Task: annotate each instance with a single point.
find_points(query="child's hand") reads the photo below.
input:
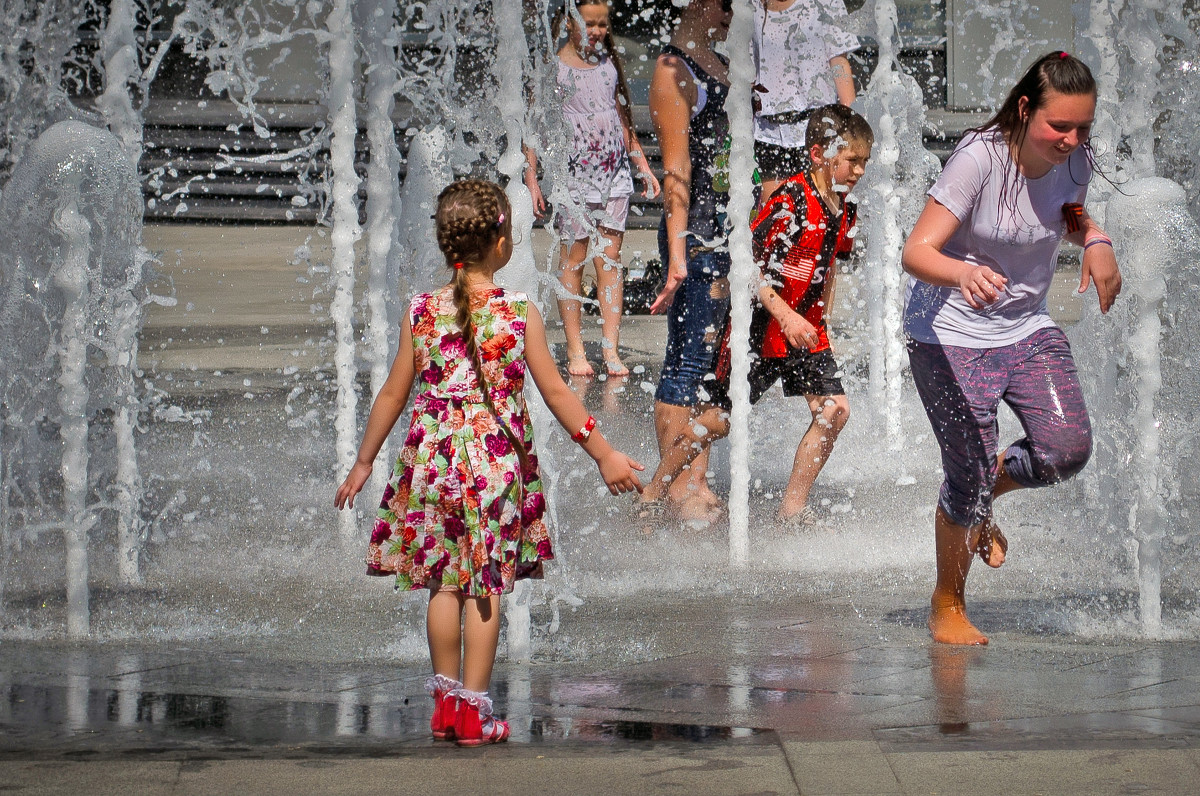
(980, 285)
(798, 332)
(617, 470)
(353, 484)
(676, 273)
(535, 193)
(1100, 267)
(652, 186)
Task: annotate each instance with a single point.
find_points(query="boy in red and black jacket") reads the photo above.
(802, 227)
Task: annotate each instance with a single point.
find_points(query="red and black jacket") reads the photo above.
(795, 240)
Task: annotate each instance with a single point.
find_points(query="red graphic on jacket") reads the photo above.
(796, 261)
(795, 239)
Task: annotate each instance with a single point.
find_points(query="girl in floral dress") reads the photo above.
(462, 513)
(597, 107)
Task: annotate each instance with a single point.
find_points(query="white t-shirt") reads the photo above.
(792, 49)
(1022, 245)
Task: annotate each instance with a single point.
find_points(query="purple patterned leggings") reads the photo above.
(962, 389)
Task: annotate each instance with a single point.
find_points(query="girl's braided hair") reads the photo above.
(472, 215)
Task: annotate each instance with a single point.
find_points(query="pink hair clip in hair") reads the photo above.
(1062, 54)
(500, 221)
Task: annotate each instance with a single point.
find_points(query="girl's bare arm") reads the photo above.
(1099, 262)
(384, 412)
(672, 96)
(923, 258)
(616, 468)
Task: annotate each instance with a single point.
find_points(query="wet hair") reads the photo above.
(838, 124)
(471, 217)
(1056, 71)
(625, 105)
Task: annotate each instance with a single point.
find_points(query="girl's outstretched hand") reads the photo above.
(617, 470)
(353, 484)
(1100, 267)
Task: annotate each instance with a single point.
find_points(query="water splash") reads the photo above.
(900, 172)
(72, 300)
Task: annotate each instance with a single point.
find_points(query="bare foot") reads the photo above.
(697, 512)
(577, 365)
(993, 544)
(615, 367)
(704, 495)
(948, 623)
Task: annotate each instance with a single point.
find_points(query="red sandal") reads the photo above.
(476, 725)
(445, 707)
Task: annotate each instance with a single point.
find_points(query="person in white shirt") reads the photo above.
(981, 257)
(800, 54)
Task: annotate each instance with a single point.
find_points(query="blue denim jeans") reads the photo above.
(694, 325)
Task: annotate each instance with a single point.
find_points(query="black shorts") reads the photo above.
(779, 162)
(802, 374)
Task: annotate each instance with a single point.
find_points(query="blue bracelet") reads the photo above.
(1094, 241)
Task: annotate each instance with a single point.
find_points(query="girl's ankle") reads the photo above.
(441, 684)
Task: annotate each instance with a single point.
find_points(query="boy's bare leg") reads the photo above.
(572, 258)
(610, 292)
(830, 413)
(948, 622)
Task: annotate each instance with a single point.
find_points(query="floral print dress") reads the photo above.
(459, 512)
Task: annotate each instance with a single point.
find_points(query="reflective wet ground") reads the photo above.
(258, 659)
(763, 696)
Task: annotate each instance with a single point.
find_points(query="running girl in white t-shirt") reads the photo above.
(982, 256)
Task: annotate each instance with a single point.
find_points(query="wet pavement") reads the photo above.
(746, 696)
(818, 679)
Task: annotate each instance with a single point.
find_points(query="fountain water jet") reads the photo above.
(743, 275)
(901, 171)
(383, 200)
(346, 231)
(1145, 409)
(70, 307)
